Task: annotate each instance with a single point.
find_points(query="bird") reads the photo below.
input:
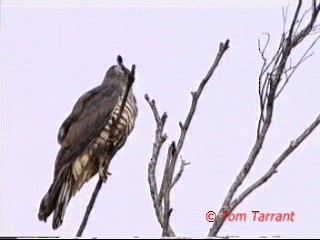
(91, 135)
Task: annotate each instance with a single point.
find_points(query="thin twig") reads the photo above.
(89, 208)
(284, 16)
(302, 59)
(179, 174)
(273, 169)
(166, 173)
(301, 19)
(294, 21)
(166, 188)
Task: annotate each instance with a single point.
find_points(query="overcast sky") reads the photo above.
(52, 54)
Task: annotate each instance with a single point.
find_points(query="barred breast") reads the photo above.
(87, 165)
(124, 125)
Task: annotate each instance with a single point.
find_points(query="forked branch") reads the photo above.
(161, 198)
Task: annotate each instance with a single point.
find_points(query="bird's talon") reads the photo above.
(103, 174)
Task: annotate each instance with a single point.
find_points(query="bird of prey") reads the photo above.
(89, 137)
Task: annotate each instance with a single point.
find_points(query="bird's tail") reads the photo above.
(57, 199)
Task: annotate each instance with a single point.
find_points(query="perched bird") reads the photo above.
(89, 137)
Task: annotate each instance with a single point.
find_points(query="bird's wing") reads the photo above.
(86, 121)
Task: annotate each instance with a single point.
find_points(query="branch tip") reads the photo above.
(181, 125)
(173, 146)
(164, 116)
(164, 136)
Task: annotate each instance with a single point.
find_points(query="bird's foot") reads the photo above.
(103, 174)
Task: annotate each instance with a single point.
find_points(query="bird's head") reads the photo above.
(117, 74)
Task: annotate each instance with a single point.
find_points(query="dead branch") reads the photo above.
(273, 169)
(108, 143)
(161, 198)
(160, 138)
(289, 72)
(179, 174)
(271, 75)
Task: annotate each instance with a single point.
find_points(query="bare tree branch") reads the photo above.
(294, 21)
(292, 69)
(163, 197)
(89, 208)
(284, 16)
(273, 169)
(159, 140)
(108, 143)
(166, 189)
(179, 174)
(299, 21)
(269, 79)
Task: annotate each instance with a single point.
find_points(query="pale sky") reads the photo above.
(52, 54)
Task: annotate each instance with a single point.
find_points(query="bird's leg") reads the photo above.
(103, 169)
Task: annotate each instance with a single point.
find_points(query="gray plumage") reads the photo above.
(83, 137)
